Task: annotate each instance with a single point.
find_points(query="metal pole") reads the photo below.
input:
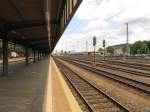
(104, 44)
(94, 44)
(41, 55)
(5, 57)
(104, 53)
(94, 56)
(38, 56)
(127, 44)
(27, 56)
(34, 53)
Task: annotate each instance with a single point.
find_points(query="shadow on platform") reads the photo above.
(24, 88)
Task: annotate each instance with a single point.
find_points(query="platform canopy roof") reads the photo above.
(37, 24)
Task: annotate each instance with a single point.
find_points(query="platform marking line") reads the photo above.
(47, 106)
(74, 106)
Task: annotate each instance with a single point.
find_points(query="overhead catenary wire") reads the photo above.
(123, 23)
(130, 22)
(89, 13)
(121, 11)
(108, 19)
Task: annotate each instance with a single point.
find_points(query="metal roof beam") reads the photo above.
(16, 9)
(39, 42)
(26, 24)
(40, 46)
(38, 38)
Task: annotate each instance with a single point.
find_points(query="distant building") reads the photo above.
(97, 53)
(14, 54)
(100, 51)
(120, 49)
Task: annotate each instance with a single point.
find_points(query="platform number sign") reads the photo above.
(94, 41)
(104, 43)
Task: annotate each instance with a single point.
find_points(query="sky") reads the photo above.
(106, 20)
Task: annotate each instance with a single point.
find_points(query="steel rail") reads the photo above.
(71, 75)
(127, 64)
(143, 87)
(114, 68)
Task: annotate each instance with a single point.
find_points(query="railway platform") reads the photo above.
(58, 96)
(39, 87)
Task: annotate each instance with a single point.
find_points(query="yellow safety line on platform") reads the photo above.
(70, 98)
(47, 106)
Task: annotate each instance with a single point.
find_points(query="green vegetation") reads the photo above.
(124, 49)
(110, 50)
(140, 47)
(100, 49)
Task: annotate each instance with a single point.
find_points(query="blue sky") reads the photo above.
(76, 25)
(106, 19)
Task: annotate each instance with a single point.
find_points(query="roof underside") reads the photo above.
(24, 22)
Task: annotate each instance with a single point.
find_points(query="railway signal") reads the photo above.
(104, 44)
(94, 41)
(127, 41)
(94, 44)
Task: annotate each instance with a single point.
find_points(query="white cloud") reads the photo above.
(106, 20)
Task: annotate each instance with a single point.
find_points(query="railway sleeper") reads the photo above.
(93, 97)
(83, 86)
(87, 90)
(109, 110)
(107, 104)
(101, 106)
(102, 100)
(90, 94)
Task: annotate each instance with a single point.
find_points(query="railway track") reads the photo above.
(140, 86)
(132, 65)
(95, 99)
(118, 68)
(126, 64)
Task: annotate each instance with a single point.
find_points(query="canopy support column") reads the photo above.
(34, 53)
(27, 56)
(38, 56)
(5, 57)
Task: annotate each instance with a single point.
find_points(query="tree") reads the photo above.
(110, 50)
(144, 48)
(148, 44)
(124, 49)
(100, 49)
(139, 47)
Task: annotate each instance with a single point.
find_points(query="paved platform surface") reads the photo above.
(13, 60)
(14, 65)
(59, 97)
(23, 90)
(39, 87)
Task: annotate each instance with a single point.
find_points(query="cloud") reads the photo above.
(106, 20)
